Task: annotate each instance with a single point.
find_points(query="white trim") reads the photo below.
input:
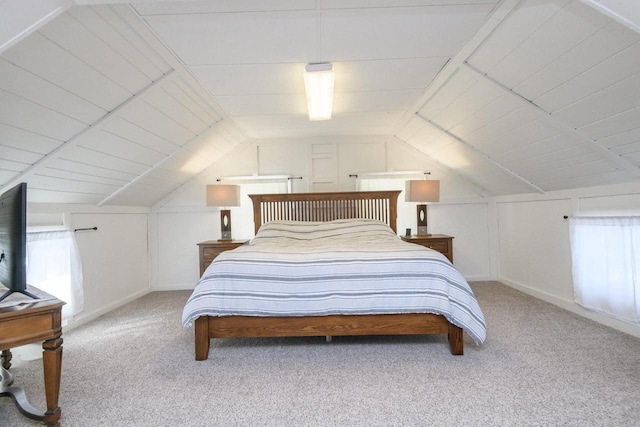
(616, 11)
(478, 278)
(176, 287)
(21, 18)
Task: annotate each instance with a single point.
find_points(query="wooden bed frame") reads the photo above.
(381, 205)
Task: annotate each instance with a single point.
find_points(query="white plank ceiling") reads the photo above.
(123, 103)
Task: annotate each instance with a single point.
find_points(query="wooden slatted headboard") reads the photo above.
(380, 205)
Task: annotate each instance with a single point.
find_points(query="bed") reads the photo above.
(330, 264)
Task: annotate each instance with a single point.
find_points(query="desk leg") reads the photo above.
(6, 359)
(52, 364)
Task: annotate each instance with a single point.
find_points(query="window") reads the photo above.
(54, 266)
(393, 181)
(605, 254)
(242, 216)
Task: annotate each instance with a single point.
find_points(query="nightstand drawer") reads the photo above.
(210, 249)
(438, 242)
(441, 246)
(209, 253)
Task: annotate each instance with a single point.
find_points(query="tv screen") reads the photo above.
(13, 240)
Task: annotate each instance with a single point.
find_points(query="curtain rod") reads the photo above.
(85, 229)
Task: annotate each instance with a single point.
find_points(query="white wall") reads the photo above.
(324, 163)
(534, 254)
(533, 246)
(115, 258)
(468, 223)
(521, 240)
(177, 252)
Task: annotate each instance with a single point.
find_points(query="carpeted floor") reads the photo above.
(540, 365)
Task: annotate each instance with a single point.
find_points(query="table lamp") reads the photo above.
(224, 196)
(422, 191)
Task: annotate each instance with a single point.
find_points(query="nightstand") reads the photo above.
(438, 242)
(210, 249)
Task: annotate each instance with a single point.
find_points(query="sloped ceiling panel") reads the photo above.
(581, 68)
(91, 112)
(551, 97)
(165, 123)
(467, 161)
(513, 134)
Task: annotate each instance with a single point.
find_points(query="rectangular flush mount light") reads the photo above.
(318, 84)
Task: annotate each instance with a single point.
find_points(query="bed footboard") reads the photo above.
(207, 327)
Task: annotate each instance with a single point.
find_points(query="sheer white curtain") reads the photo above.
(54, 266)
(605, 254)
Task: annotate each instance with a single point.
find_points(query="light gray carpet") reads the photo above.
(540, 365)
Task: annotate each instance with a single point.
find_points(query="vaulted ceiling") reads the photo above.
(122, 103)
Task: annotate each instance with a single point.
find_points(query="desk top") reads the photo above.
(30, 320)
(17, 304)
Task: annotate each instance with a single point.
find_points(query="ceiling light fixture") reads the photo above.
(318, 84)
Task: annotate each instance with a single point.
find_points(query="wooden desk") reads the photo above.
(30, 322)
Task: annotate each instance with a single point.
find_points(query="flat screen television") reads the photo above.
(13, 240)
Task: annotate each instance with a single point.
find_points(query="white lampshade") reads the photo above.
(223, 195)
(422, 191)
(318, 84)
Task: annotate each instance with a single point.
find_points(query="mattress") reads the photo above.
(350, 267)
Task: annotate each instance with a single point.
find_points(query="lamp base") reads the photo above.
(422, 220)
(422, 231)
(225, 225)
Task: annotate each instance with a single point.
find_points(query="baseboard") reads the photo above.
(571, 306)
(83, 317)
(480, 278)
(175, 287)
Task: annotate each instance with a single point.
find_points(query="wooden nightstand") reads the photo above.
(438, 242)
(210, 249)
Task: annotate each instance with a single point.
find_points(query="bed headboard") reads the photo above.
(380, 205)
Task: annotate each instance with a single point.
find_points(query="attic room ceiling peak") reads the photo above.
(451, 78)
(251, 56)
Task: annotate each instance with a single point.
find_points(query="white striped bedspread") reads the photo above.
(337, 267)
